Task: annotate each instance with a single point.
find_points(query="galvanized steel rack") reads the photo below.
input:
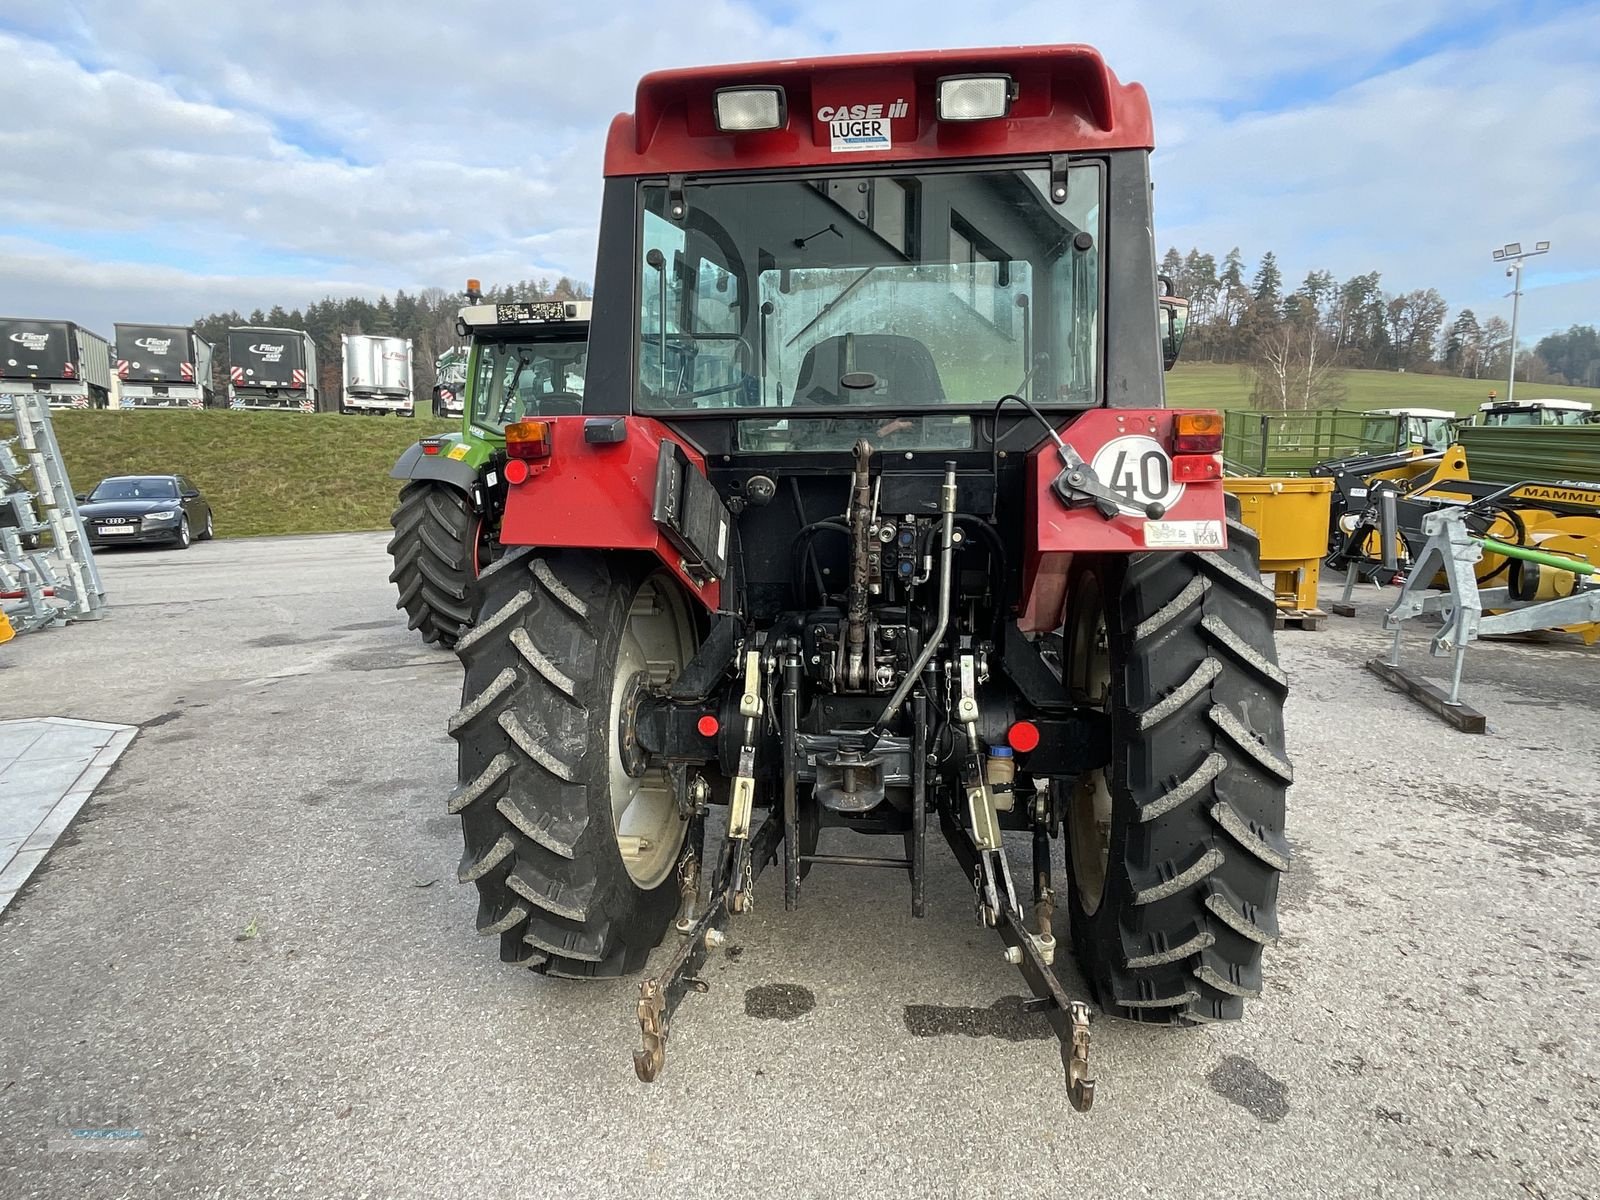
(42, 582)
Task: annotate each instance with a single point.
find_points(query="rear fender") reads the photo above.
(447, 464)
(1117, 443)
(600, 496)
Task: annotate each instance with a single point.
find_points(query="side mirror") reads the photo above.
(81, 497)
(1174, 312)
(191, 495)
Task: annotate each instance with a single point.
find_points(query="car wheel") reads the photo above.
(181, 542)
(209, 531)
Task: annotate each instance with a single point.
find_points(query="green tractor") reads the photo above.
(526, 357)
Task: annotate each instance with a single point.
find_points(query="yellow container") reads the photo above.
(1291, 518)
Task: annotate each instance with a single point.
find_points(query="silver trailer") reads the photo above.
(162, 366)
(59, 359)
(272, 369)
(377, 375)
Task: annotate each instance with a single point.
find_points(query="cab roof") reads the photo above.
(533, 313)
(1569, 405)
(1067, 99)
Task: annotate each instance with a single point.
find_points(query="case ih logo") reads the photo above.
(32, 342)
(267, 352)
(154, 345)
(861, 112)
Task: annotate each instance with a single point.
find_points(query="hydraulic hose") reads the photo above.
(1543, 557)
(855, 672)
(947, 505)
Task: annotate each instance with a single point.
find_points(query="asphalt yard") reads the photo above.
(246, 968)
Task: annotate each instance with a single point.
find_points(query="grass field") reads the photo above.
(324, 473)
(263, 472)
(1203, 385)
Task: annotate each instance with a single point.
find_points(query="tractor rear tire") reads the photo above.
(1174, 854)
(436, 553)
(545, 795)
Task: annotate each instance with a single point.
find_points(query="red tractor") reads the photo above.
(873, 520)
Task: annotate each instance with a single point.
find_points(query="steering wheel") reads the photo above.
(688, 346)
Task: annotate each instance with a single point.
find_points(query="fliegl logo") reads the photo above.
(153, 345)
(856, 127)
(267, 352)
(32, 342)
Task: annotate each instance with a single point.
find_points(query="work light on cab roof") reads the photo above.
(750, 110)
(975, 97)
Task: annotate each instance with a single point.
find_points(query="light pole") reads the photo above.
(1513, 254)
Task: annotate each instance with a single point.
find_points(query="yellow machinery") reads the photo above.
(1290, 515)
(1559, 519)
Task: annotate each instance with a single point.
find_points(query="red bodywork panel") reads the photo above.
(599, 497)
(1067, 99)
(1055, 532)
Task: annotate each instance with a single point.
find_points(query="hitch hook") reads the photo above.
(1080, 1086)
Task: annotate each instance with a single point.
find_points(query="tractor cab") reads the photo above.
(1535, 412)
(527, 360)
(1429, 428)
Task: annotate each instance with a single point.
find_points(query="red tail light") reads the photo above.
(528, 439)
(516, 470)
(1196, 468)
(1197, 433)
(1023, 737)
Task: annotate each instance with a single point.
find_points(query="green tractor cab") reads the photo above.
(1535, 412)
(1430, 428)
(523, 360)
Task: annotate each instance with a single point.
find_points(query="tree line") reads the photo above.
(1295, 344)
(428, 318)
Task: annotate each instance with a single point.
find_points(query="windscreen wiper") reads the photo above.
(831, 305)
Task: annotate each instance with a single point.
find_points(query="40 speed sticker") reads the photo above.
(1137, 469)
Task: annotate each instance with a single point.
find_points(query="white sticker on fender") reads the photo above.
(1183, 535)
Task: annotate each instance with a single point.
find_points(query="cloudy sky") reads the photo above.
(159, 160)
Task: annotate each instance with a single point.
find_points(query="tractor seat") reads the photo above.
(904, 367)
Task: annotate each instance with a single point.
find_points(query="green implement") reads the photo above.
(1526, 554)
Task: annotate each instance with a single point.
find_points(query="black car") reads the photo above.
(133, 509)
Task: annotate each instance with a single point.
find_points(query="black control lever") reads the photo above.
(1078, 486)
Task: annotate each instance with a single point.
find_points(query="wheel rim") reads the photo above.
(1089, 683)
(657, 640)
(208, 524)
(183, 532)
